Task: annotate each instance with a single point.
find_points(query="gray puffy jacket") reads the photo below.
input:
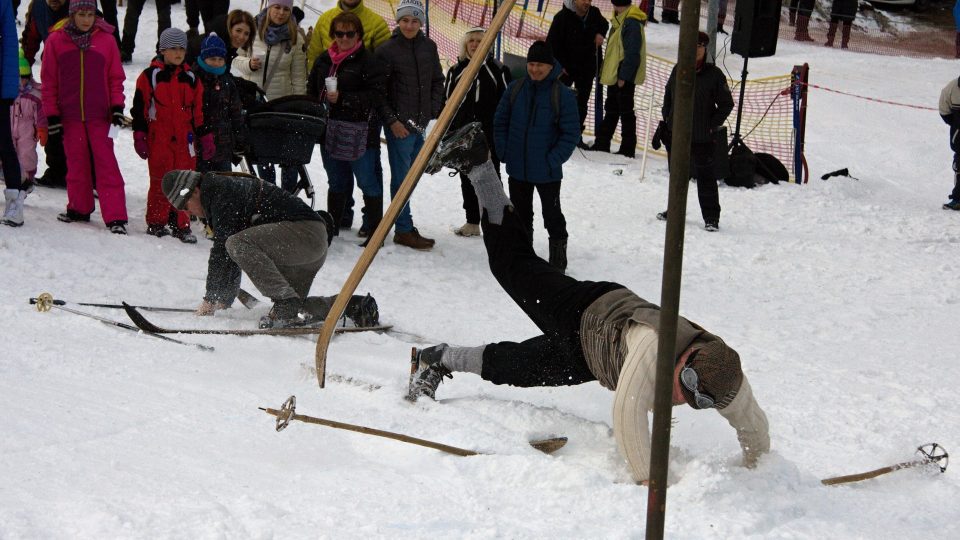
(414, 80)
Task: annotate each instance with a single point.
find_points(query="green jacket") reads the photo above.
(626, 34)
(375, 31)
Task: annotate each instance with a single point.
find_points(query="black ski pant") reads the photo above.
(955, 194)
(132, 19)
(554, 302)
(584, 85)
(56, 172)
(207, 10)
(521, 195)
(8, 152)
(619, 108)
(703, 169)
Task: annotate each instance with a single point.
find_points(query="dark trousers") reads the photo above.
(583, 84)
(132, 19)
(521, 195)
(619, 108)
(554, 302)
(109, 10)
(954, 195)
(471, 206)
(56, 160)
(8, 153)
(207, 10)
(703, 169)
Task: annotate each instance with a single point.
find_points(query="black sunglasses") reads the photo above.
(349, 34)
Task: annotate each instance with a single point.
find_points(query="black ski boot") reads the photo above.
(363, 311)
(285, 313)
(461, 150)
(426, 372)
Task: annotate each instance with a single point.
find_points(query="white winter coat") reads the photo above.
(284, 72)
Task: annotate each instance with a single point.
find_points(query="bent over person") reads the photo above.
(591, 331)
(273, 236)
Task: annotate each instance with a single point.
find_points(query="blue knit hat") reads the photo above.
(172, 38)
(212, 47)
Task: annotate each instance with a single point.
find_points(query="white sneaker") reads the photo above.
(468, 229)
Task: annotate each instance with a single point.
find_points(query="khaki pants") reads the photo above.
(281, 259)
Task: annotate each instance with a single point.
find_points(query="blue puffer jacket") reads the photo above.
(528, 136)
(9, 63)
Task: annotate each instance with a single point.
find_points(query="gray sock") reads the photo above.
(489, 191)
(468, 359)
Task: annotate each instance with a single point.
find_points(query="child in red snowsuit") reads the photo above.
(82, 95)
(168, 129)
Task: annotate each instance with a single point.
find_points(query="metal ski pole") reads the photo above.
(287, 413)
(930, 454)
(58, 302)
(45, 302)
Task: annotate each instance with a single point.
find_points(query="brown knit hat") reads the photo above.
(718, 368)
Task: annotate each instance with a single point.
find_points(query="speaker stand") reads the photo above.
(737, 141)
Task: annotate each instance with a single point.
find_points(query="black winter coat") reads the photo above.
(712, 102)
(414, 80)
(235, 203)
(572, 40)
(222, 112)
(481, 100)
(844, 10)
(361, 85)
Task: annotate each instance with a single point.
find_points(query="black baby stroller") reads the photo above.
(284, 131)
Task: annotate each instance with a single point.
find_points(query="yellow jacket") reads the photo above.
(375, 31)
(613, 57)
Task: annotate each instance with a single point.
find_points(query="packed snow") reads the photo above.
(840, 296)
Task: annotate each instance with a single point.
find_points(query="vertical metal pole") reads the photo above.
(743, 90)
(672, 267)
(713, 13)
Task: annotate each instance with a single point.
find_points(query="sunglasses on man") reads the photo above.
(690, 381)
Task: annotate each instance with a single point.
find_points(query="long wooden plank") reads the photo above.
(406, 189)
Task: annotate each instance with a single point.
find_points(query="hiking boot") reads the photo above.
(285, 313)
(117, 227)
(363, 311)
(558, 253)
(461, 150)
(50, 180)
(711, 226)
(125, 57)
(158, 230)
(426, 372)
(185, 235)
(600, 146)
(627, 151)
(468, 229)
(662, 216)
(413, 240)
(72, 216)
(953, 204)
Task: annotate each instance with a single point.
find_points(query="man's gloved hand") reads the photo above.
(207, 308)
(208, 146)
(42, 136)
(54, 127)
(117, 118)
(140, 144)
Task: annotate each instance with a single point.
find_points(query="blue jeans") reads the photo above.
(367, 171)
(401, 153)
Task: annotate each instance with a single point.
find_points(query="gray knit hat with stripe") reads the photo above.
(172, 38)
(178, 186)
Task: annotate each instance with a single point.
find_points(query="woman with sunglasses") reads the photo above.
(592, 331)
(359, 90)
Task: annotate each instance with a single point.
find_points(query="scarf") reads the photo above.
(276, 34)
(212, 70)
(80, 39)
(337, 56)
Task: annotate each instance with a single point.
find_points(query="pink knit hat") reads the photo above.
(82, 5)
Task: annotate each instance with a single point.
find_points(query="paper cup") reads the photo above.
(331, 83)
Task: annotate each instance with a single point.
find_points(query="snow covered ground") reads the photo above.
(840, 296)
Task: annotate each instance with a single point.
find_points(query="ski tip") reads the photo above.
(549, 445)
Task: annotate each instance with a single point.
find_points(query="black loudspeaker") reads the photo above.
(756, 28)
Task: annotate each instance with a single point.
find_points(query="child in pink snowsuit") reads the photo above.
(28, 124)
(82, 95)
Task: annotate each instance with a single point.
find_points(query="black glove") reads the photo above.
(54, 127)
(117, 118)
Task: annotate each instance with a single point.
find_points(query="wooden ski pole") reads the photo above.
(288, 412)
(931, 453)
(406, 189)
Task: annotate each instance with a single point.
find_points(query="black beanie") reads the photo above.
(703, 38)
(622, 3)
(541, 52)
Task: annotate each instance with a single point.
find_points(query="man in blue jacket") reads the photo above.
(536, 128)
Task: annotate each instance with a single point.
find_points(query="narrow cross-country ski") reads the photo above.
(147, 326)
(45, 302)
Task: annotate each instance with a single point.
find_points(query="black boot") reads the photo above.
(372, 214)
(558, 253)
(628, 132)
(336, 203)
(363, 311)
